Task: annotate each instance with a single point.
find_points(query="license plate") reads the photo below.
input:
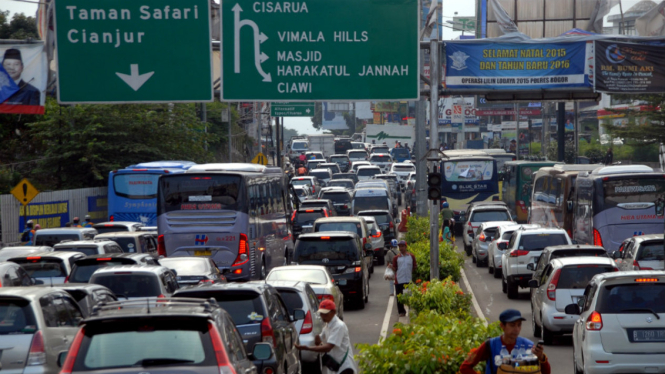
(647, 335)
(202, 253)
(341, 282)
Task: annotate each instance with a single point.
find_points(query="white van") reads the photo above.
(371, 199)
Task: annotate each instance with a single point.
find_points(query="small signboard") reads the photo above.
(24, 192)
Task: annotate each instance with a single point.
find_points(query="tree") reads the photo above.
(318, 114)
(644, 127)
(20, 27)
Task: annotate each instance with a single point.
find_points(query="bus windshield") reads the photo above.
(627, 191)
(136, 186)
(468, 170)
(199, 192)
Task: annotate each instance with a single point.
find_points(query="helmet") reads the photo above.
(445, 204)
(393, 243)
(29, 223)
(87, 217)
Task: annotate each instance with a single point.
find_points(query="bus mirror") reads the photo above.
(660, 207)
(569, 206)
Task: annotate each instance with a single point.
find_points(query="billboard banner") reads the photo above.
(23, 77)
(446, 108)
(629, 68)
(515, 66)
(47, 215)
(332, 120)
(98, 208)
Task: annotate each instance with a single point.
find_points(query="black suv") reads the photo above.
(343, 254)
(260, 315)
(341, 200)
(169, 336)
(83, 268)
(342, 145)
(303, 219)
(385, 221)
(319, 203)
(342, 161)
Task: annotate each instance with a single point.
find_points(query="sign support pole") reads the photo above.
(420, 148)
(278, 153)
(561, 131)
(435, 67)
(517, 129)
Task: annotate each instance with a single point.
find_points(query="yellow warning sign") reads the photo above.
(24, 192)
(260, 159)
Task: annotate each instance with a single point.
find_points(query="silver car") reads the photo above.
(8, 252)
(562, 282)
(48, 267)
(37, 324)
(300, 295)
(318, 277)
(644, 252)
(486, 233)
(378, 240)
(137, 281)
(495, 248)
(621, 325)
(382, 160)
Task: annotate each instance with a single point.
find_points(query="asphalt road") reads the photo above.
(492, 301)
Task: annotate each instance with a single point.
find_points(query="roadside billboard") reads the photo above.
(23, 78)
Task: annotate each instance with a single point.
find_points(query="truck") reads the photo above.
(405, 134)
(324, 143)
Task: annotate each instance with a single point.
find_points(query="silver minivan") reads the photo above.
(51, 237)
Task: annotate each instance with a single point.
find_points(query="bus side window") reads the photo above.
(513, 176)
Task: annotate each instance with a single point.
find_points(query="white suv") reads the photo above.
(479, 214)
(524, 247)
(621, 325)
(496, 248)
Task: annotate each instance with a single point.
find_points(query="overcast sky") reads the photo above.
(303, 124)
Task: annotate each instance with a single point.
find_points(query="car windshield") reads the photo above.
(337, 197)
(301, 182)
(17, 317)
(146, 342)
(128, 244)
(332, 249)
(381, 218)
(301, 192)
(105, 229)
(353, 227)
(368, 172)
(651, 251)
(539, 241)
(126, 284)
(43, 267)
(304, 218)
(339, 159)
(50, 240)
(320, 174)
(186, 267)
(244, 307)
(370, 203)
(85, 250)
(578, 276)
(357, 155)
(579, 252)
(631, 298)
(404, 168)
(490, 215)
(82, 271)
(312, 276)
(298, 146)
(340, 183)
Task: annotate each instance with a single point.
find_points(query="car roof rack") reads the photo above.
(207, 304)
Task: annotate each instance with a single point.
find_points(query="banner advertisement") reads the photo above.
(47, 215)
(23, 77)
(446, 111)
(629, 68)
(98, 208)
(332, 120)
(501, 66)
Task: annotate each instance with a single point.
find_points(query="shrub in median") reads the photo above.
(450, 261)
(443, 297)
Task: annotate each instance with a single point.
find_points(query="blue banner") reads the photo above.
(47, 215)
(98, 208)
(515, 66)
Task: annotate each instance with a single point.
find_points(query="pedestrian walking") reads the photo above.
(390, 255)
(447, 213)
(404, 264)
(510, 321)
(334, 342)
(25, 235)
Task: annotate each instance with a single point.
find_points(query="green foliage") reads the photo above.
(536, 148)
(443, 297)
(431, 343)
(20, 27)
(569, 153)
(418, 229)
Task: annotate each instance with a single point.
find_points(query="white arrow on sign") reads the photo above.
(259, 37)
(134, 80)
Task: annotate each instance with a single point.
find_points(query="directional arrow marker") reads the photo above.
(134, 80)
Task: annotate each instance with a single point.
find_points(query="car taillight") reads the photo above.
(482, 237)
(518, 253)
(313, 189)
(597, 240)
(378, 234)
(111, 218)
(346, 206)
(37, 355)
(595, 322)
(243, 256)
(469, 232)
(307, 324)
(637, 265)
(267, 333)
(68, 366)
(391, 224)
(325, 212)
(206, 281)
(161, 246)
(551, 288)
(325, 297)
(220, 353)
(364, 242)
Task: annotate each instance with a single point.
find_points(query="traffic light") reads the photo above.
(434, 186)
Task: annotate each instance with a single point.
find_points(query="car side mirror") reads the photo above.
(531, 266)
(533, 283)
(368, 246)
(261, 351)
(62, 356)
(572, 309)
(298, 315)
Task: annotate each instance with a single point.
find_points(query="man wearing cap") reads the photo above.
(510, 321)
(404, 264)
(27, 94)
(88, 221)
(334, 340)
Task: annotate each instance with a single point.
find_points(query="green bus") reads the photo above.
(516, 189)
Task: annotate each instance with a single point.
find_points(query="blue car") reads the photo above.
(400, 154)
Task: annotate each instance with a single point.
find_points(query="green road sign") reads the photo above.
(292, 109)
(317, 50)
(127, 51)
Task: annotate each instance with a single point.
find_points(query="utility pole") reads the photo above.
(278, 153)
(561, 131)
(435, 66)
(421, 149)
(517, 129)
(577, 131)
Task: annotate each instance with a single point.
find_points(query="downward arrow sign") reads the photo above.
(134, 80)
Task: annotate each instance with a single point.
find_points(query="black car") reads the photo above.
(349, 184)
(342, 145)
(348, 175)
(303, 219)
(260, 315)
(342, 161)
(385, 221)
(168, 336)
(341, 200)
(319, 203)
(83, 268)
(343, 254)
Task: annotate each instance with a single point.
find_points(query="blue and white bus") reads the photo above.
(132, 192)
(613, 203)
(235, 214)
(467, 179)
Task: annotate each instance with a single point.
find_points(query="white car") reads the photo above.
(643, 252)
(496, 248)
(525, 247)
(356, 164)
(366, 172)
(403, 170)
(621, 325)
(479, 214)
(378, 240)
(303, 191)
(382, 160)
(486, 233)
